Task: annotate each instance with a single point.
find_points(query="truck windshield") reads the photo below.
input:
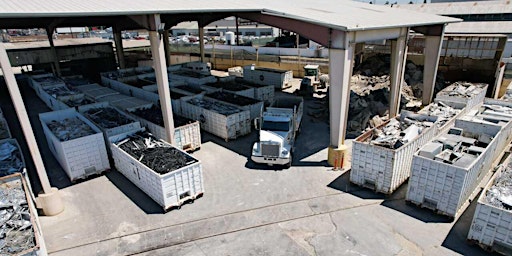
(275, 126)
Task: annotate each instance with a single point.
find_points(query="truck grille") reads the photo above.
(270, 149)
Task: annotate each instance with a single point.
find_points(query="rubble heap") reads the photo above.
(107, 117)
(70, 129)
(10, 159)
(442, 111)
(396, 133)
(16, 231)
(500, 194)
(158, 156)
(462, 90)
(215, 106)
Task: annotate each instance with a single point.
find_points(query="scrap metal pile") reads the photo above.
(70, 129)
(228, 86)
(442, 111)
(215, 106)
(154, 115)
(396, 134)
(59, 91)
(48, 80)
(369, 97)
(107, 117)
(10, 159)
(77, 102)
(461, 90)
(500, 194)
(232, 98)
(16, 232)
(157, 155)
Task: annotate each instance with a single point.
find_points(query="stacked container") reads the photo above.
(191, 77)
(170, 189)
(116, 124)
(278, 78)
(55, 96)
(216, 117)
(384, 169)
(492, 222)
(254, 106)
(187, 133)
(81, 152)
(461, 94)
(230, 87)
(443, 179)
(95, 91)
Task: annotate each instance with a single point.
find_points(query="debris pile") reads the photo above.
(158, 156)
(215, 106)
(70, 128)
(154, 115)
(77, 102)
(16, 231)
(442, 111)
(500, 194)
(233, 98)
(11, 160)
(462, 90)
(107, 117)
(397, 133)
(59, 91)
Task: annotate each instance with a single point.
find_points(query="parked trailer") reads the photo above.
(216, 117)
(446, 187)
(79, 156)
(170, 189)
(12, 160)
(27, 241)
(462, 93)
(254, 106)
(280, 79)
(187, 133)
(491, 225)
(384, 169)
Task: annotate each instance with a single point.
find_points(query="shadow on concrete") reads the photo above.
(395, 201)
(138, 197)
(34, 106)
(456, 240)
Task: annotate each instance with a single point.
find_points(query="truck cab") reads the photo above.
(278, 127)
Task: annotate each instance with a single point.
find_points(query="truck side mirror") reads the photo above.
(256, 123)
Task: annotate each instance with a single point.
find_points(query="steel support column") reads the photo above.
(201, 43)
(398, 59)
(340, 71)
(118, 40)
(433, 45)
(167, 47)
(49, 33)
(162, 81)
(52, 203)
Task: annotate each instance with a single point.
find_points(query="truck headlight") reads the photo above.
(284, 152)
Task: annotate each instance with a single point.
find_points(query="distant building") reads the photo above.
(220, 27)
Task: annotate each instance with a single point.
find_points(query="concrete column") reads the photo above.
(201, 43)
(118, 40)
(358, 54)
(157, 50)
(167, 47)
(432, 51)
(340, 62)
(49, 33)
(398, 57)
(51, 201)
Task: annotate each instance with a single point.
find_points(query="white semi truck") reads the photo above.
(278, 128)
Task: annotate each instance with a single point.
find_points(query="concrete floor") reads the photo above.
(246, 209)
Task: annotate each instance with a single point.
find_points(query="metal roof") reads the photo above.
(487, 27)
(460, 8)
(344, 15)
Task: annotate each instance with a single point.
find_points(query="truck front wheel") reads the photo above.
(289, 164)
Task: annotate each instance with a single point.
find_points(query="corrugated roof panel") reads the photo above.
(340, 14)
(457, 8)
